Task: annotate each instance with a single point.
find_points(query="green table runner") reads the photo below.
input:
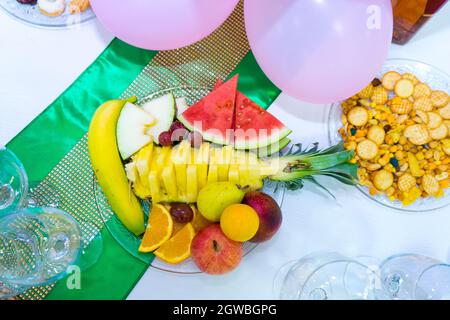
(52, 135)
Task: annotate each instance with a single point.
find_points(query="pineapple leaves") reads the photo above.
(315, 182)
(297, 149)
(293, 184)
(299, 165)
(324, 161)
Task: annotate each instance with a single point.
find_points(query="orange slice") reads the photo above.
(178, 248)
(159, 229)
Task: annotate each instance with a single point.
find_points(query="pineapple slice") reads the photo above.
(225, 156)
(233, 173)
(161, 162)
(213, 173)
(202, 161)
(255, 177)
(153, 177)
(244, 175)
(180, 158)
(169, 180)
(191, 183)
(142, 160)
(131, 171)
(140, 190)
(249, 177)
(161, 159)
(213, 168)
(133, 177)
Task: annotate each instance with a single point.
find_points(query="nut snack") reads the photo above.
(399, 128)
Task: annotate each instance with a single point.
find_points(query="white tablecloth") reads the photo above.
(36, 65)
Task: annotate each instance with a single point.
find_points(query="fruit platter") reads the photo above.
(399, 128)
(191, 179)
(49, 13)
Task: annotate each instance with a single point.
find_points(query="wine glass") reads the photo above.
(37, 247)
(325, 276)
(13, 182)
(415, 277)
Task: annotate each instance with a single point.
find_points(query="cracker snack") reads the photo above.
(400, 131)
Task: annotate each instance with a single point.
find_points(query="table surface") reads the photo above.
(36, 65)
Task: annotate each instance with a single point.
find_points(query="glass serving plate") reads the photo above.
(128, 240)
(30, 14)
(437, 80)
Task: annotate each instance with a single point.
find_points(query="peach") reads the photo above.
(269, 213)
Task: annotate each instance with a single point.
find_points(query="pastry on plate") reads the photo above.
(78, 6)
(51, 8)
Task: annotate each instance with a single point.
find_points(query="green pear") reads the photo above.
(217, 196)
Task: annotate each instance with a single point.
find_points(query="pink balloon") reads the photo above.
(162, 24)
(320, 51)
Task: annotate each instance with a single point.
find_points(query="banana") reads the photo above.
(108, 167)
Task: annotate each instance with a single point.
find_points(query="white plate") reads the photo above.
(30, 14)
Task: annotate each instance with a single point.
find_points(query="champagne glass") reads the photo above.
(16, 191)
(13, 182)
(325, 276)
(37, 246)
(415, 277)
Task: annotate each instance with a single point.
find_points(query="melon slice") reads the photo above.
(213, 115)
(163, 109)
(182, 105)
(132, 127)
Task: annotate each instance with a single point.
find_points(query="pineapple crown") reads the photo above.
(299, 164)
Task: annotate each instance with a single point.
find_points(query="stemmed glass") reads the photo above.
(13, 182)
(37, 244)
(37, 247)
(16, 191)
(415, 277)
(325, 276)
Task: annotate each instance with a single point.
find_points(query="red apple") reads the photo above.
(213, 252)
(269, 213)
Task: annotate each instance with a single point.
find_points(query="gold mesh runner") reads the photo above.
(197, 65)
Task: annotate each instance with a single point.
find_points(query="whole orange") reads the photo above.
(239, 222)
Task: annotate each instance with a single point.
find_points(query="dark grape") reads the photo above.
(165, 139)
(181, 212)
(176, 125)
(27, 1)
(196, 139)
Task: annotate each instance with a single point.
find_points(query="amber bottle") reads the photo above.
(411, 15)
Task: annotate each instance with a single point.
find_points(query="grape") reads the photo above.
(176, 125)
(178, 131)
(27, 1)
(196, 139)
(165, 138)
(181, 212)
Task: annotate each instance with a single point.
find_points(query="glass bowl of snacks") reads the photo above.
(399, 127)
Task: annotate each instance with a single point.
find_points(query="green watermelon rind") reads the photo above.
(273, 148)
(206, 135)
(261, 143)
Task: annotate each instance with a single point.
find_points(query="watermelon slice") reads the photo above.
(253, 126)
(213, 115)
